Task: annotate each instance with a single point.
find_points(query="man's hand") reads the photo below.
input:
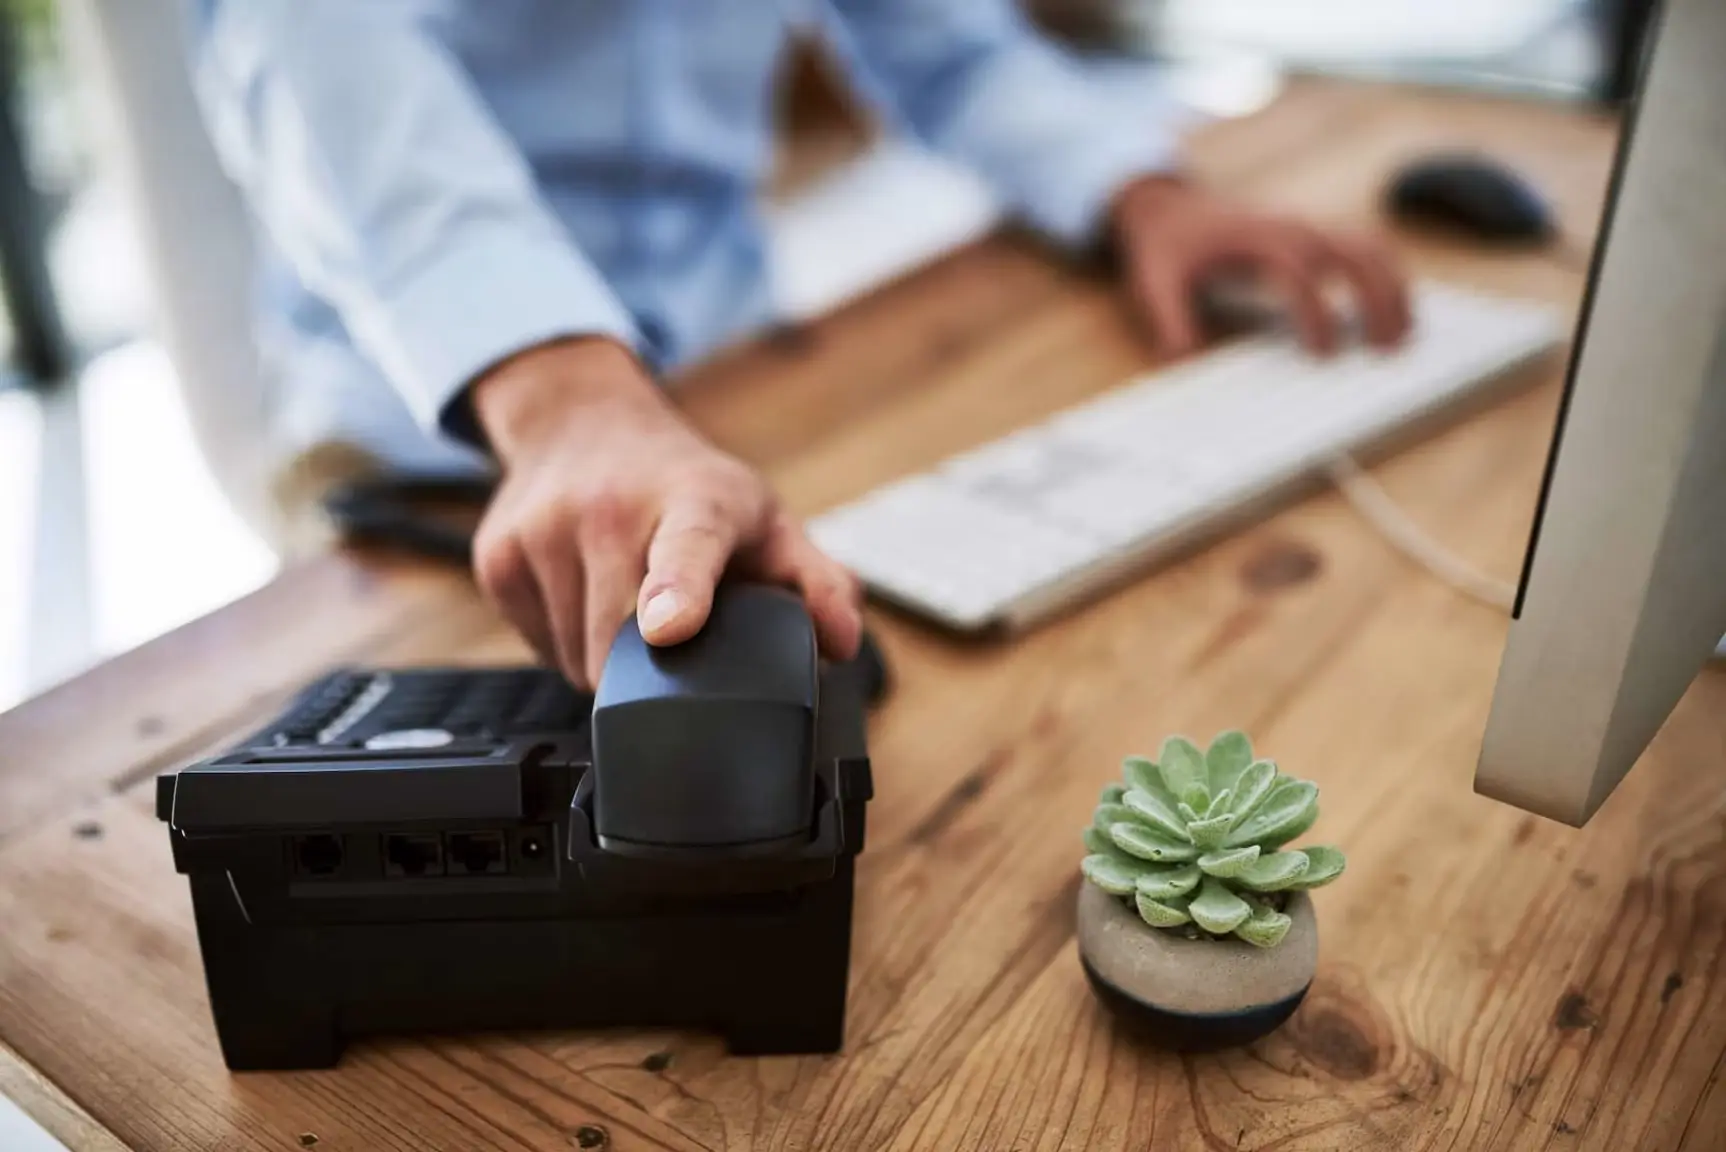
(1173, 237)
(612, 504)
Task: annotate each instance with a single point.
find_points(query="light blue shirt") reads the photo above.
(440, 183)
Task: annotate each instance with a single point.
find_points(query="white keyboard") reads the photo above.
(1014, 531)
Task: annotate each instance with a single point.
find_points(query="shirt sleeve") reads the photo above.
(973, 80)
(376, 170)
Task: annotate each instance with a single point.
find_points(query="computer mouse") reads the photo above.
(709, 745)
(1471, 194)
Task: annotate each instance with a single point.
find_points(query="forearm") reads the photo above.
(972, 80)
(376, 170)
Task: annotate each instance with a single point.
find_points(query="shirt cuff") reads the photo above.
(480, 300)
(1071, 206)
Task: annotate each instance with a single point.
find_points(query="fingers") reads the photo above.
(573, 571)
(613, 539)
(506, 577)
(558, 566)
(695, 544)
(1379, 288)
(567, 569)
(1164, 295)
(698, 540)
(1297, 260)
(689, 552)
(835, 602)
(1295, 264)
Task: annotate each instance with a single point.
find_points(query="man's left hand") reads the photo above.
(1173, 237)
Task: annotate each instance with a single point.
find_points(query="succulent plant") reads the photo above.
(1196, 840)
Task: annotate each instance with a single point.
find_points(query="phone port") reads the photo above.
(413, 855)
(319, 857)
(477, 854)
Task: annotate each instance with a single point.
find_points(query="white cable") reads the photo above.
(1379, 510)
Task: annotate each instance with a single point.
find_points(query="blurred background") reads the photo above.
(125, 295)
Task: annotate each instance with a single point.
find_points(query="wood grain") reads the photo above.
(1488, 980)
(50, 1109)
(141, 711)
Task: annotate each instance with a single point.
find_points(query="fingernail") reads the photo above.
(662, 610)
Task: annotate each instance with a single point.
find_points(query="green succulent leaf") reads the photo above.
(1253, 785)
(1161, 914)
(1148, 844)
(1293, 831)
(1226, 863)
(1108, 815)
(1216, 909)
(1325, 865)
(1289, 810)
(1210, 833)
(1166, 883)
(1142, 774)
(1265, 928)
(1110, 874)
(1273, 873)
(1201, 837)
(1229, 755)
(1154, 810)
(1183, 768)
(1097, 842)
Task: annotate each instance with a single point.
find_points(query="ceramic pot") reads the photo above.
(1193, 995)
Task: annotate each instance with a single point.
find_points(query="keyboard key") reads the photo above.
(1120, 506)
(948, 549)
(1010, 520)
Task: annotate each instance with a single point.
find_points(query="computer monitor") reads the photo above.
(1623, 596)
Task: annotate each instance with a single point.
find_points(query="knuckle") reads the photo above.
(543, 530)
(1355, 246)
(703, 510)
(836, 581)
(731, 479)
(1287, 239)
(609, 514)
(1369, 245)
(498, 562)
(491, 535)
(1279, 258)
(717, 494)
(816, 570)
(694, 536)
(1303, 251)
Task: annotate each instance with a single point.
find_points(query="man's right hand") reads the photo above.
(612, 504)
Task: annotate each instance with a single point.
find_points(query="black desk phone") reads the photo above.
(440, 850)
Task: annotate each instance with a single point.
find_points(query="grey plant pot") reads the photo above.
(1193, 995)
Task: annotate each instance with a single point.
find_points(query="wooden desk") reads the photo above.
(1488, 980)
